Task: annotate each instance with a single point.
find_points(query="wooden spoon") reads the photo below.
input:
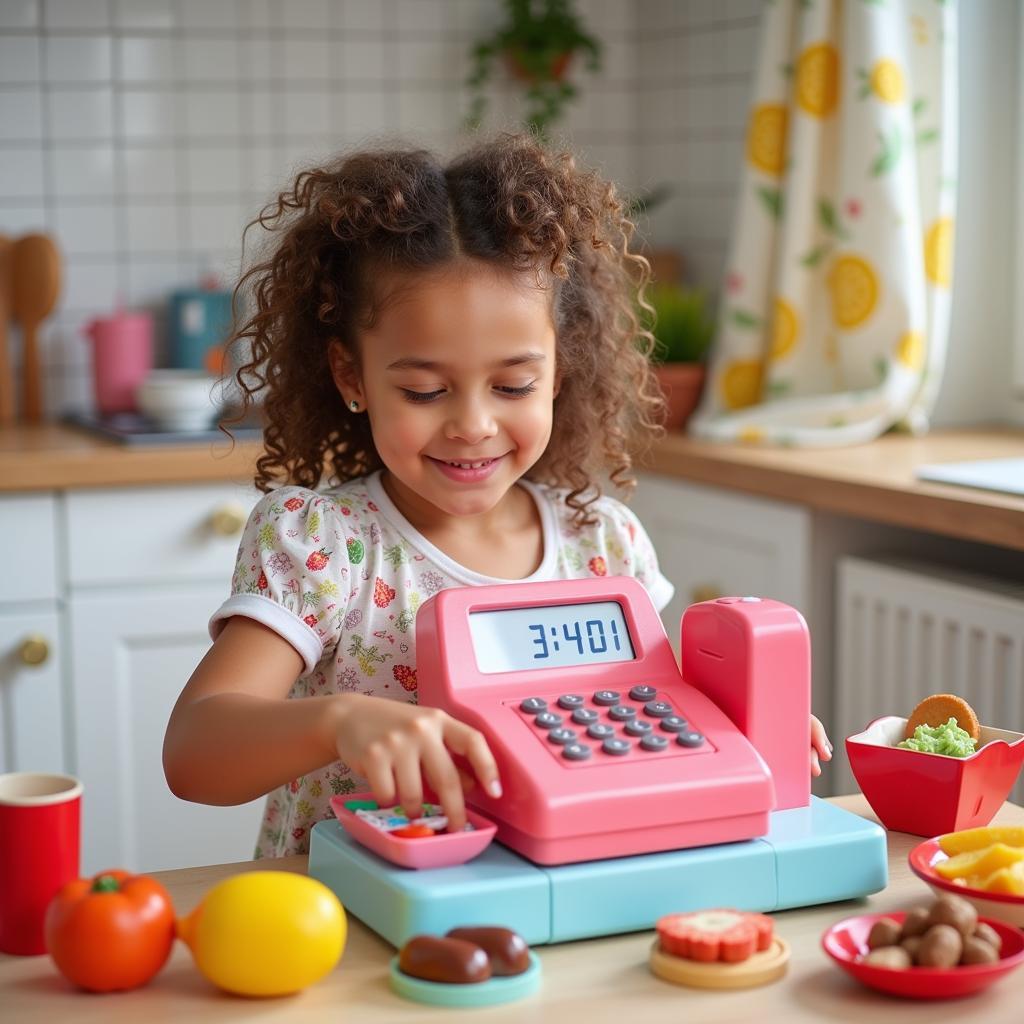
(36, 274)
(6, 377)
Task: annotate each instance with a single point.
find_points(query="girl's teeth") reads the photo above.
(470, 465)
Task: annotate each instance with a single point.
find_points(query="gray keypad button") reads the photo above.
(643, 692)
(653, 742)
(568, 701)
(616, 746)
(576, 751)
(584, 716)
(561, 736)
(621, 713)
(674, 723)
(658, 709)
(600, 731)
(690, 739)
(637, 727)
(606, 698)
(532, 705)
(548, 720)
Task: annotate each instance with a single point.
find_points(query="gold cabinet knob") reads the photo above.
(705, 592)
(34, 650)
(228, 520)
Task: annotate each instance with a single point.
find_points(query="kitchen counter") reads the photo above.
(54, 457)
(599, 979)
(873, 482)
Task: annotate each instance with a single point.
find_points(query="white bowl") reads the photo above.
(179, 399)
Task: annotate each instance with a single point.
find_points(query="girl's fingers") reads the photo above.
(815, 766)
(410, 783)
(377, 769)
(444, 781)
(470, 742)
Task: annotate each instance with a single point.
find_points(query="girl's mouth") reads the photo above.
(466, 471)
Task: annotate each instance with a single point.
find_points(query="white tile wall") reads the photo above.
(145, 133)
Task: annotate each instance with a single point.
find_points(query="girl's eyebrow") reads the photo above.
(413, 363)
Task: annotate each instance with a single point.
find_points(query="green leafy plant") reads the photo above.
(681, 323)
(537, 39)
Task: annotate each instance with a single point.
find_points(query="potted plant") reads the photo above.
(683, 328)
(537, 42)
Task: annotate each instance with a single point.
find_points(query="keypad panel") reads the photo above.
(610, 725)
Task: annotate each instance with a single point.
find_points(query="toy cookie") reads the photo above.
(938, 709)
(718, 949)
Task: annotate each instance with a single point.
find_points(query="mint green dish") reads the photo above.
(492, 992)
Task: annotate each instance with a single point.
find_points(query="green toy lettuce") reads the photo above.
(948, 739)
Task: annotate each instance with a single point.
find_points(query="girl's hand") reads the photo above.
(820, 746)
(394, 745)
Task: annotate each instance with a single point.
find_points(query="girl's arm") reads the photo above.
(233, 734)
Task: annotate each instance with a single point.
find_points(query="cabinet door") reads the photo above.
(131, 654)
(712, 542)
(31, 702)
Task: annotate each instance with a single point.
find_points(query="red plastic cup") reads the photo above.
(39, 842)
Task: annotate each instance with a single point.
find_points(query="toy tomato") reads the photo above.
(113, 931)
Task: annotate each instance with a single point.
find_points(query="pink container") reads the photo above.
(122, 356)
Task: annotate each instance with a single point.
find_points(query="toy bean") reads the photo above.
(896, 958)
(956, 912)
(915, 923)
(978, 951)
(452, 961)
(884, 932)
(507, 950)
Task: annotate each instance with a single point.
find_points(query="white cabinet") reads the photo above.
(131, 655)
(712, 542)
(104, 603)
(31, 700)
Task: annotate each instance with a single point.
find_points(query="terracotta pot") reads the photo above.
(681, 385)
(516, 68)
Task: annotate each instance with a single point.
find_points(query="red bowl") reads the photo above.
(847, 940)
(929, 794)
(1002, 905)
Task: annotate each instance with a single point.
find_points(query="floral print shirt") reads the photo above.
(340, 574)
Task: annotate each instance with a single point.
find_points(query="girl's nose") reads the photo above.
(471, 422)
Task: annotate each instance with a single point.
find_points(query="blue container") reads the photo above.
(200, 324)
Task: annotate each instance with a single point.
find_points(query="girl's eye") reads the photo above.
(522, 392)
(420, 396)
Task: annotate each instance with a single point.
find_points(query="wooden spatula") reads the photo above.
(36, 275)
(6, 377)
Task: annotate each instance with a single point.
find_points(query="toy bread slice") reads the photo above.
(939, 709)
(710, 935)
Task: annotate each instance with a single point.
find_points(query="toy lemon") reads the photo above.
(265, 933)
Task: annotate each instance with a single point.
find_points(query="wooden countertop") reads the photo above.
(873, 481)
(54, 457)
(597, 979)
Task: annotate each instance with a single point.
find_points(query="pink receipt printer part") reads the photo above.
(441, 850)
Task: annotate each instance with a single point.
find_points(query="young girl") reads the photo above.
(456, 345)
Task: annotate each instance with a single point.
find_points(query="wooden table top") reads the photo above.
(596, 979)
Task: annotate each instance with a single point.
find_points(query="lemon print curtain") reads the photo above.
(835, 305)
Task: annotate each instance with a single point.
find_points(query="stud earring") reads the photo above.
(354, 405)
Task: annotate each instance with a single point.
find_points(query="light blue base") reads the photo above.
(811, 855)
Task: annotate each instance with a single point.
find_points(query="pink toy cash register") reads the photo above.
(605, 749)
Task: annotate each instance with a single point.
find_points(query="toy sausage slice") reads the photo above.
(452, 961)
(507, 949)
(709, 935)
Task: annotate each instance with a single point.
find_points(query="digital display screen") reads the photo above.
(553, 636)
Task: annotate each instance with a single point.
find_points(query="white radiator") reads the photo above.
(907, 630)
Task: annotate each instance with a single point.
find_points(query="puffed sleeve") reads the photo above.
(631, 553)
(292, 572)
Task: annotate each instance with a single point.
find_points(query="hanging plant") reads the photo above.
(537, 43)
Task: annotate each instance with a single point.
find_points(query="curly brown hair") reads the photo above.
(507, 202)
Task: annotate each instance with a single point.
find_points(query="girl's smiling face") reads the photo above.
(457, 375)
